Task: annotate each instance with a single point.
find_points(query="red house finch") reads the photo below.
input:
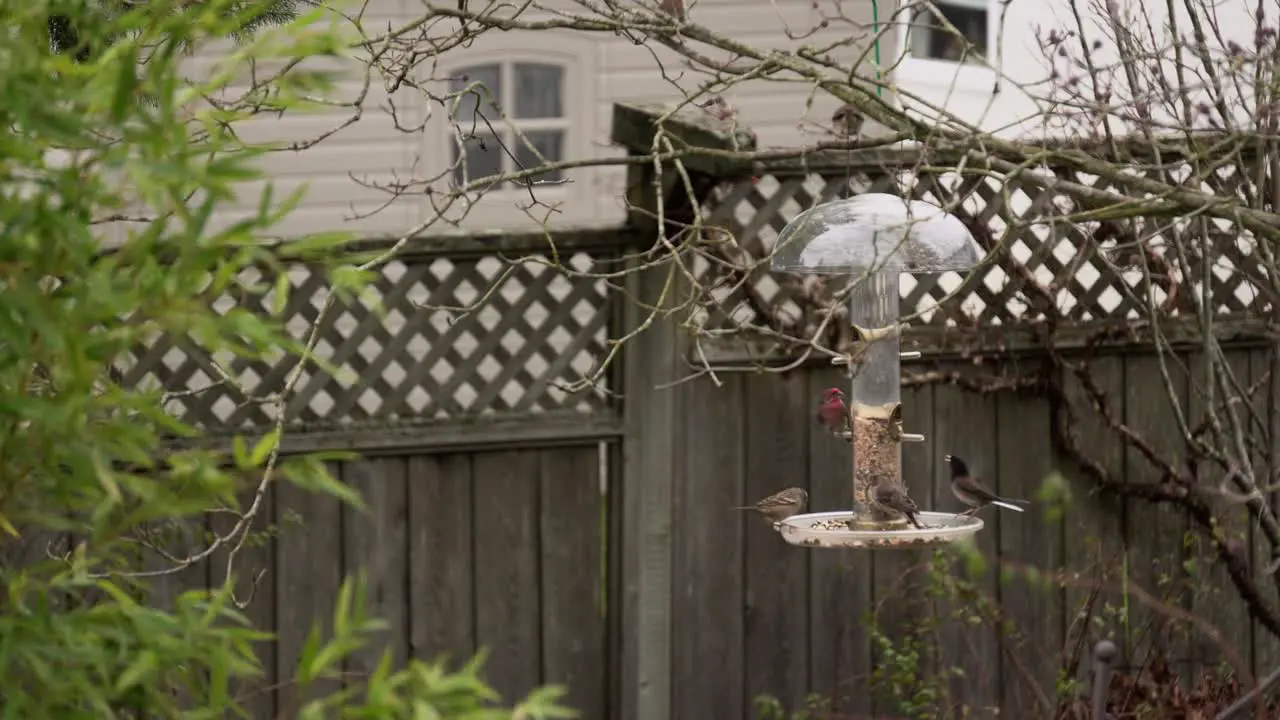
(893, 497)
(972, 492)
(833, 413)
(781, 505)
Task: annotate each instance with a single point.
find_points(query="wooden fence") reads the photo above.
(582, 532)
(752, 616)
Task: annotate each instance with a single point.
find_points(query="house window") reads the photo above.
(513, 118)
(931, 39)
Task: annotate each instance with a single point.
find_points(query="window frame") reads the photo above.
(931, 72)
(508, 124)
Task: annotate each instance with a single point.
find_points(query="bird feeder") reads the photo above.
(872, 239)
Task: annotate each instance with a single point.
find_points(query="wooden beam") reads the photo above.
(478, 242)
(651, 445)
(636, 126)
(872, 156)
(374, 439)
(943, 343)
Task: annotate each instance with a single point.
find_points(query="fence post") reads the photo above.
(653, 443)
(1103, 654)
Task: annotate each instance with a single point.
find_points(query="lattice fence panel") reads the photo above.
(460, 337)
(1079, 271)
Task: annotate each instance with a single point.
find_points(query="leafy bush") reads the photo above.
(99, 121)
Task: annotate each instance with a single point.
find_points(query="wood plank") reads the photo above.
(308, 576)
(965, 425)
(573, 538)
(549, 429)
(707, 580)
(441, 555)
(1212, 596)
(33, 546)
(508, 616)
(1266, 647)
(839, 580)
(1094, 522)
(653, 441)
(1029, 666)
(375, 543)
(776, 579)
(901, 577)
(1155, 534)
(180, 539)
(253, 572)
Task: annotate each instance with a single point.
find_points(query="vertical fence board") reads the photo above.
(900, 577)
(1033, 538)
(308, 575)
(1155, 534)
(654, 439)
(707, 661)
(254, 574)
(179, 539)
(573, 611)
(839, 587)
(1212, 596)
(508, 616)
(776, 579)
(1095, 521)
(965, 425)
(441, 558)
(1266, 647)
(376, 544)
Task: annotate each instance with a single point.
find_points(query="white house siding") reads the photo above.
(601, 70)
(966, 92)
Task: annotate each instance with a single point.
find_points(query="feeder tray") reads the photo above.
(833, 530)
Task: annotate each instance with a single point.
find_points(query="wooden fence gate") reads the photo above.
(489, 457)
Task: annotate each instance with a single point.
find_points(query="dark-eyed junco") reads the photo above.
(972, 492)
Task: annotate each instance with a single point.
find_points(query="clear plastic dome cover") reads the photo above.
(875, 231)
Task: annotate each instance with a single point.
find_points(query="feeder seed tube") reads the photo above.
(875, 391)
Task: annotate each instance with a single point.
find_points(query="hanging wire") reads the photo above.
(875, 29)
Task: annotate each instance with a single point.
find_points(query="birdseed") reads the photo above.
(877, 452)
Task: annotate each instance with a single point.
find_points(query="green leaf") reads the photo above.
(143, 665)
(317, 478)
(265, 447)
(240, 452)
(126, 84)
(281, 299)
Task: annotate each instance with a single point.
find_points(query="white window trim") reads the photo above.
(572, 102)
(944, 74)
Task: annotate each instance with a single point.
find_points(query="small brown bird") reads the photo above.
(674, 8)
(970, 490)
(895, 498)
(781, 505)
(847, 122)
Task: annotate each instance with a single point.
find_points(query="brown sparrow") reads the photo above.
(893, 497)
(780, 505)
(847, 122)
